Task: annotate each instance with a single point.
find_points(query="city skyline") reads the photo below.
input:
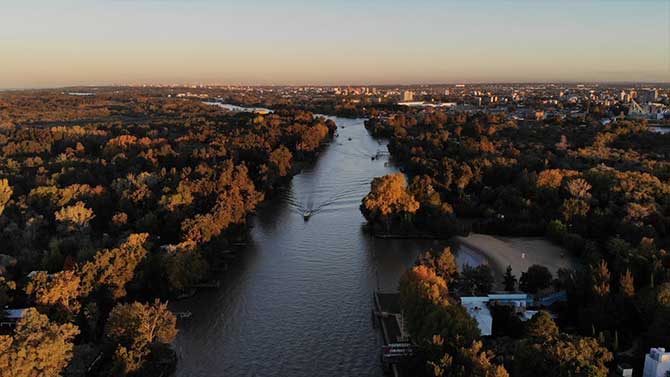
(343, 43)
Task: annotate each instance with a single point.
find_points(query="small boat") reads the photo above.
(306, 215)
(349, 139)
(183, 315)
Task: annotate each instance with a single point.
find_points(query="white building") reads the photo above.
(656, 363)
(478, 308)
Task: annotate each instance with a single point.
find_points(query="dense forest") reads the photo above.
(108, 201)
(600, 190)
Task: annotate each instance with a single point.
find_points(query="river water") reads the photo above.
(297, 300)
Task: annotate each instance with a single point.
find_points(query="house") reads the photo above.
(478, 308)
(656, 363)
(11, 316)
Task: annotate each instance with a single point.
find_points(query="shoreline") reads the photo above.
(518, 252)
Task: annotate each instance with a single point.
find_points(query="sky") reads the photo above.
(48, 43)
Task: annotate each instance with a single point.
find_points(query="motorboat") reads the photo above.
(307, 214)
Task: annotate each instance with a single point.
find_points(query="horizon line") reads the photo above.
(454, 83)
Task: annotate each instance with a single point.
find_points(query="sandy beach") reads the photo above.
(518, 252)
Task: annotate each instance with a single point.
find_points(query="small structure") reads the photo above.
(398, 348)
(656, 363)
(624, 370)
(9, 317)
(478, 308)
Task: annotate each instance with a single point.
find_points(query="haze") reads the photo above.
(45, 44)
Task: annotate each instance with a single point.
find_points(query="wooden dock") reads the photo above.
(397, 347)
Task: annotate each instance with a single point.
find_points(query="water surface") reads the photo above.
(298, 299)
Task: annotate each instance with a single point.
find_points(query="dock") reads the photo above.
(398, 348)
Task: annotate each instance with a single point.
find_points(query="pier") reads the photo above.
(398, 348)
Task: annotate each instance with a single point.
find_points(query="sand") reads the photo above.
(509, 251)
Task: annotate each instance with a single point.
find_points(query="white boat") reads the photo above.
(306, 214)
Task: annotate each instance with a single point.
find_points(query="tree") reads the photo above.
(451, 322)
(38, 347)
(479, 362)
(60, 290)
(509, 280)
(556, 230)
(144, 323)
(389, 195)
(542, 326)
(423, 190)
(601, 279)
(563, 355)
(579, 188)
(281, 159)
(134, 327)
(421, 290)
(469, 361)
(663, 295)
(476, 281)
(444, 264)
(75, 217)
(422, 282)
(184, 267)
(6, 287)
(236, 197)
(5, 194)
(114, 268)
(552, 178)
(574, 208)
(627, 284)
(535, 279)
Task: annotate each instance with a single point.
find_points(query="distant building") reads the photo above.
(646, 110)
(623, 96)
(411, 103)
(656, 363)
(407, 96)
(647, 95)
(427, 104)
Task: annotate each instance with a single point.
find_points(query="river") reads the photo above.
(297, 300)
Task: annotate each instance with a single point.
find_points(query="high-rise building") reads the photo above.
(407, 95)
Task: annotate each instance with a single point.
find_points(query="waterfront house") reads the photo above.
(656, 363)
(478, 308)
(9, 317)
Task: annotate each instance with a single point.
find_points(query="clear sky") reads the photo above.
(59, 42)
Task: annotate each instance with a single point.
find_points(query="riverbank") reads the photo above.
(518, 252)
(306, 285)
